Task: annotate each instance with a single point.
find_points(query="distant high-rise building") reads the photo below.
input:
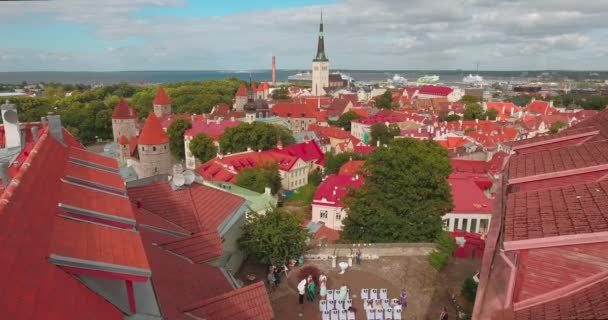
(274, 71)
(320, 66)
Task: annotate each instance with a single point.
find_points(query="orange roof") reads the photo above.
(152, 132)
(294, 110)
(242, 91)
(123, 111)
(352, 167)
(161, 97)
(123, 140)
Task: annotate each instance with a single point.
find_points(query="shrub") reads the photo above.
(469, 289)
(446, 243)
(438, 259)
(310, 270)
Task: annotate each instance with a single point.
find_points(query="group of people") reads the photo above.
(307, 286)
(274, 276)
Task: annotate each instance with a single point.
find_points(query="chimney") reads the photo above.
(6, 178)
(232, 119)
(356, 177)
(476, 120)
(34, 133)
(55, 126)
(249, 149)
(12, 131)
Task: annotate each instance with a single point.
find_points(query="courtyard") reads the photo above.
(428, 290)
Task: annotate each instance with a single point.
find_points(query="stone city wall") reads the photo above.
(370, 251)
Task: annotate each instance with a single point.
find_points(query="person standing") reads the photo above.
(302, 290)
(312, 291)
(343, 292)
(403, 299)
(271, 281)
(444, 314)
(323, 288)
(277, 275)
(358, 257)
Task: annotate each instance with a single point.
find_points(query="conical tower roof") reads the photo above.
(161, 97)
(123, 111)
(153, 132)
(242, 92)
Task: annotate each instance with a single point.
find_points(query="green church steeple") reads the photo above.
(321, 44)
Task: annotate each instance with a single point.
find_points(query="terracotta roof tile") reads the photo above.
(200, 247)
(242, 91)
(161, 97)
(94, 158)
(351, 167)
(334, 188)
(152, 133)
(93, 176)
(124, 111)
(294, 110)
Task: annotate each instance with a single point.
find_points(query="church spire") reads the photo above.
(321, 43)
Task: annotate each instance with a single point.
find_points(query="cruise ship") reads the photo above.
(300, 76)
(472, 79)
(428, 79)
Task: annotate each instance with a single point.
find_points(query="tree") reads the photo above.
(448, 117)
(469, 99)
(333, 162)
(380, 132)
(274, 237)
(176, 137)
(315, 177)
(473, 111)
(257, 136)
(257, 179)
(404, 195)
(520, 100)
(557, 126)
(385, 100)
(491, 114)
(469, 289)
(202, 147)
(345, 119)
(280, 93)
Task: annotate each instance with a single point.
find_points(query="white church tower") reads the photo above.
(320, 66)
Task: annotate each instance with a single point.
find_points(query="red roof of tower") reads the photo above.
(123, 140)
(152, 132)
(242, 91)
(161, 97)
(123, 111)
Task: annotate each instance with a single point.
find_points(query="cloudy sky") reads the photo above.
(106, 35)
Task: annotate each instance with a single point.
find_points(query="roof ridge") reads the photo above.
(212, 300)
(159, 216)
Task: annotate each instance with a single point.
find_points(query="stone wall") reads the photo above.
(370, 251)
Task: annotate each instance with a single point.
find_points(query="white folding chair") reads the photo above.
(385, 304)
(339, 305)
(330, 295)
(351, 315)
(371, 314)
(323, 305)
(383, 293)
(364, 294)
(335, 315)
(336, 294)
(343, 315)
(331, 304)
(397, 313)
(379, 314)
(368, 304)
(373, 294)
(394, 302)
(325, 315)
(348, 303)
(388, 314)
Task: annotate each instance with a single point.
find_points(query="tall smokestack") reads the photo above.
(274, 71)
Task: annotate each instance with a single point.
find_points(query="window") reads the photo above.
(323, 214)
(483, 225)
(338, 216)
(464, 224)
(473, 225)
(153, 148)
(446, 224)
(456, 224)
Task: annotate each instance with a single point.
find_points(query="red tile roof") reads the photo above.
(152, 133)
(599, 122)
(435, 90)
(327, 234)
(307, 151)
(351, 167)
(564, 138)
(329, 131)
(146, 219)
(293, 110)
(214, 129)
(161, 97)
(222, 110)
(124, 111)
(91, 199)
(92, 175)
(226, 168)
(337, 107)
(334, 188)
(198, 248)
(468, 196)
(123, 140)
(540, 107)
(382, 117)
(363, 149)
(247, 303)
(242, 91)
(91, 157)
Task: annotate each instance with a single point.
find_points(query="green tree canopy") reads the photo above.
(257, 136)
(280, 93)
(448, 117)
(258, 178)
(385, 100)
(404, 196)
(557, 126)
(345, 119)
(491, 114)
(333, 162)
(473, 111)
(274, 237)
(380, 132)
(202, 147)
(176, 137)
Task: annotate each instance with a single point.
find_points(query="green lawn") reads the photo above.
(302, 197)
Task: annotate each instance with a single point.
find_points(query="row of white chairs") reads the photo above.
(328, 305)
(335, 294)
(371, 304)
(337, 315)
(384, 314)
(374, 294)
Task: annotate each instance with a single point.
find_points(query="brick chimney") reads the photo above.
(55, 128)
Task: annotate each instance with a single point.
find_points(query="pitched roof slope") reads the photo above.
(161, 97)
(153, 132)
(123, 111)
(242, 91)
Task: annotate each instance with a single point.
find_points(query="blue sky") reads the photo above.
(107, 35)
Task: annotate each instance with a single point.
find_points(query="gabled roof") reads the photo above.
(294, 110)
(213, 128)
(540, 107)
(307, 151)
(337, 107)
(199, 247)
(123, 140)
(334, 188)
(329, 131)
(152, 133)
(124, 111)
(161, 97)
(468, 195)
(351, 167)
